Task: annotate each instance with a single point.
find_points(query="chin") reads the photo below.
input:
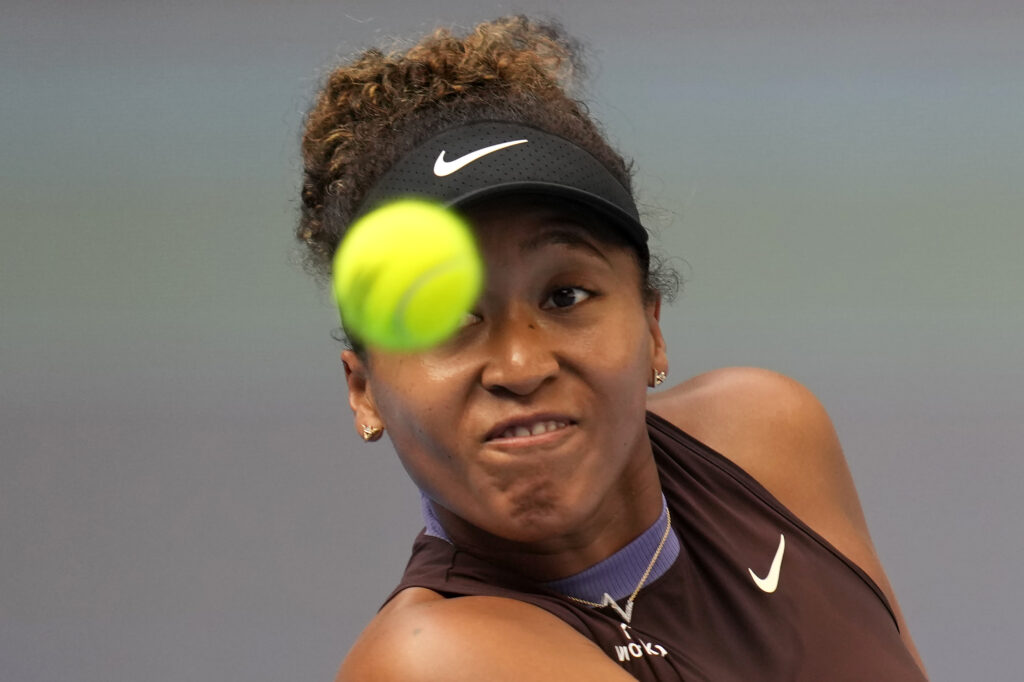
(537, 515)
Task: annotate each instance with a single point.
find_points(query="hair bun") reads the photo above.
(378, 105)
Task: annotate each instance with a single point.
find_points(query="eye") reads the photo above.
(468, 319)
(565, 297)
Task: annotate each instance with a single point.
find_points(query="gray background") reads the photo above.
(182, 496)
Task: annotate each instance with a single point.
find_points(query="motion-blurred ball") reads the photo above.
(406, 274)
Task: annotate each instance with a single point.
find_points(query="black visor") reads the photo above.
(488, 159)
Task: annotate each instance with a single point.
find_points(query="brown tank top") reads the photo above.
(715, 614)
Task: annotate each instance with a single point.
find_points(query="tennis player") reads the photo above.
(577, 526)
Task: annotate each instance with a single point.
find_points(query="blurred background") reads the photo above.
(182, 493)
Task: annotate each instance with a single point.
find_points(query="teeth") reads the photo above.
(534, 430)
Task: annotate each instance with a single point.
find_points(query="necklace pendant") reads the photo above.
(626, 614)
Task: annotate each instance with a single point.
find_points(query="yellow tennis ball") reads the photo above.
(406, 274)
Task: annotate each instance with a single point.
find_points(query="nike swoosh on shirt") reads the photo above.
(443, 168)
(771, 581)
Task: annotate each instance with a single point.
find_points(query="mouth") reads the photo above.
(522, 428)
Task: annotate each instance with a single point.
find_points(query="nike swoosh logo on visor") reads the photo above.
(443, 168)
(771, 581)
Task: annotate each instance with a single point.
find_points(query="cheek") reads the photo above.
(421, 425)
(412, 391)
(423, 453)
(620, 349)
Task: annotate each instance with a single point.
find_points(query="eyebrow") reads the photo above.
(564, 236)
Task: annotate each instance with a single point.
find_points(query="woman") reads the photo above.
(575, 527)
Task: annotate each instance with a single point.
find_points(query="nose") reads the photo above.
(521, 358)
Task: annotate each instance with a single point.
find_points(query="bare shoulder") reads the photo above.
(778, 431)
(421, 637)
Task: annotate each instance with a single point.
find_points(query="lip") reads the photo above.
(546, 444)
(494, 435)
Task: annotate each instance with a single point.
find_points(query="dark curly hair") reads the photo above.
(378, 106)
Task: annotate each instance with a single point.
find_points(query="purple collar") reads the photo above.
(617, 575)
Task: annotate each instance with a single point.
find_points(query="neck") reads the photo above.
(625, 573)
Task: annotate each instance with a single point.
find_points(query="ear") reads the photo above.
(360, 394)
(659, 354)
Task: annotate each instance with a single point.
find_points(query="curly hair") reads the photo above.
(378, 106)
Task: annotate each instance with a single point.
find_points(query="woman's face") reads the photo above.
(530, 420)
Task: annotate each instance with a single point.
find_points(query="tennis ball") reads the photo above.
(406, 274)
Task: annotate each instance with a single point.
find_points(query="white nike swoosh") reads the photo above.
(771, 581)
(443, 168)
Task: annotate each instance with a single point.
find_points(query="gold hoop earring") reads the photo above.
(659, 377)
(372, 433)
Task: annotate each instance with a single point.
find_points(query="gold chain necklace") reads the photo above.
(627, 613)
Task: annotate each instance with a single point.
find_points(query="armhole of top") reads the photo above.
(444, 557)
(740, 475)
